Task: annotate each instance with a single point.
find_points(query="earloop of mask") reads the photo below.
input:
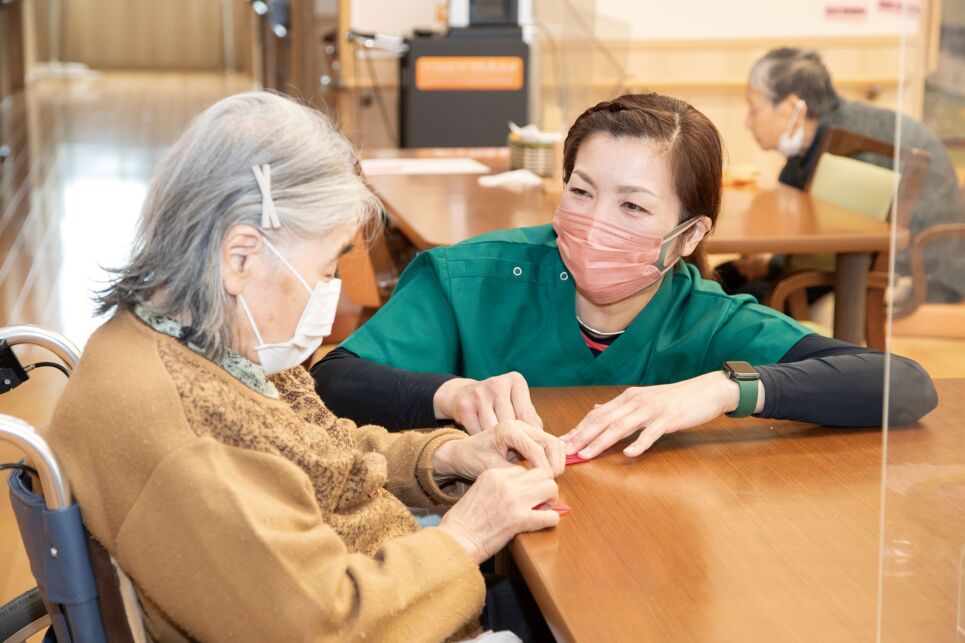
(673, 234)
(798, 106)
(269, 216)
(287, 265)
(251, 319)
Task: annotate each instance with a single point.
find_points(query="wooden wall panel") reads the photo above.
(11, 49)
(136, 34)
(243, 55)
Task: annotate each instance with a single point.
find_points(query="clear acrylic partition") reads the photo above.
(582, 59)
(922, 574)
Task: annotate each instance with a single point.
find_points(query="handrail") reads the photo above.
(56, 343)
(56, 489)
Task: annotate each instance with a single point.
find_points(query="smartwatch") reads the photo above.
(746, 377)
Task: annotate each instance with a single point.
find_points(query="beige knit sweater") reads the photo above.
(244, 518)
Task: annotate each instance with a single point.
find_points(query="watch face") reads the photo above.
(742, 370)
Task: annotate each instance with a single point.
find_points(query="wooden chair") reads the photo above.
(368, 272)
(790, 292)
(939, 320)
(371, 270)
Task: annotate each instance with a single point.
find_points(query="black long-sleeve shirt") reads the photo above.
(819, 380)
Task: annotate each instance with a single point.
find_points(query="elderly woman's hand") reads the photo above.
(480, 405)
(656, 410)
(498, 506)
(499, 447)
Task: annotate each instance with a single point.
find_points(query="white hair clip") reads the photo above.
(269, 216)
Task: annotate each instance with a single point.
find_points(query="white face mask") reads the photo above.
(791, 145)
(314, 325)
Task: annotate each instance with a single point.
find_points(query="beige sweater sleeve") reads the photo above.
(232, 544)
(409, 455)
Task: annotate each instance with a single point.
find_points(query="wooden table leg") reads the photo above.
(851, 297)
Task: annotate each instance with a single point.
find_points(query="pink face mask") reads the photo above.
(608, 262)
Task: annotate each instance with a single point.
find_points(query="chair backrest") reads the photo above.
(364, 269)
(370, 271)
(912, 168)
(853, 184)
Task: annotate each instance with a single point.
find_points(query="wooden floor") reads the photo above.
(83, 153)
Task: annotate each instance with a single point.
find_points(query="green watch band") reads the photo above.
(748, 399)
(747, 378)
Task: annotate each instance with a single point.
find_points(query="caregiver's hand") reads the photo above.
(481, 405)
(656, 410)
(498, 447)
(498, 506)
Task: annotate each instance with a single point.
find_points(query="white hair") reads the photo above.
(792, 70)
(205, 186)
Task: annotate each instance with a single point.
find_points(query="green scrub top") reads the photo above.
(504, 301)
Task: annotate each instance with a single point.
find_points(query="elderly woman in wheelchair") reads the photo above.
(199, 453)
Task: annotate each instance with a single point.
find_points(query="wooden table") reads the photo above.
(438, 210)
(755, 530)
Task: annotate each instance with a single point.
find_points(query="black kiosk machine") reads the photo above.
(461, 89)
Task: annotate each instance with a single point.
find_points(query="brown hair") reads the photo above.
(692, 142)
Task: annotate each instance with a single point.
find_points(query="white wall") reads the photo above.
(724, 19)
(395, 17)
(651, 20)
(676, 19)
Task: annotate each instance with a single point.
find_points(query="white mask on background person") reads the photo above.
(791, 143)
(313, 326)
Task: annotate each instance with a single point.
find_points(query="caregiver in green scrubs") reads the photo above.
(611, 293)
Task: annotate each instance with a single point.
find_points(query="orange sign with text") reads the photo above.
(476, 73)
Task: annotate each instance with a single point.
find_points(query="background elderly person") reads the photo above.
(201, 456)
(791, 102)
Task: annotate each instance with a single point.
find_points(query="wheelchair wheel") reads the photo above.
(23, 617)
